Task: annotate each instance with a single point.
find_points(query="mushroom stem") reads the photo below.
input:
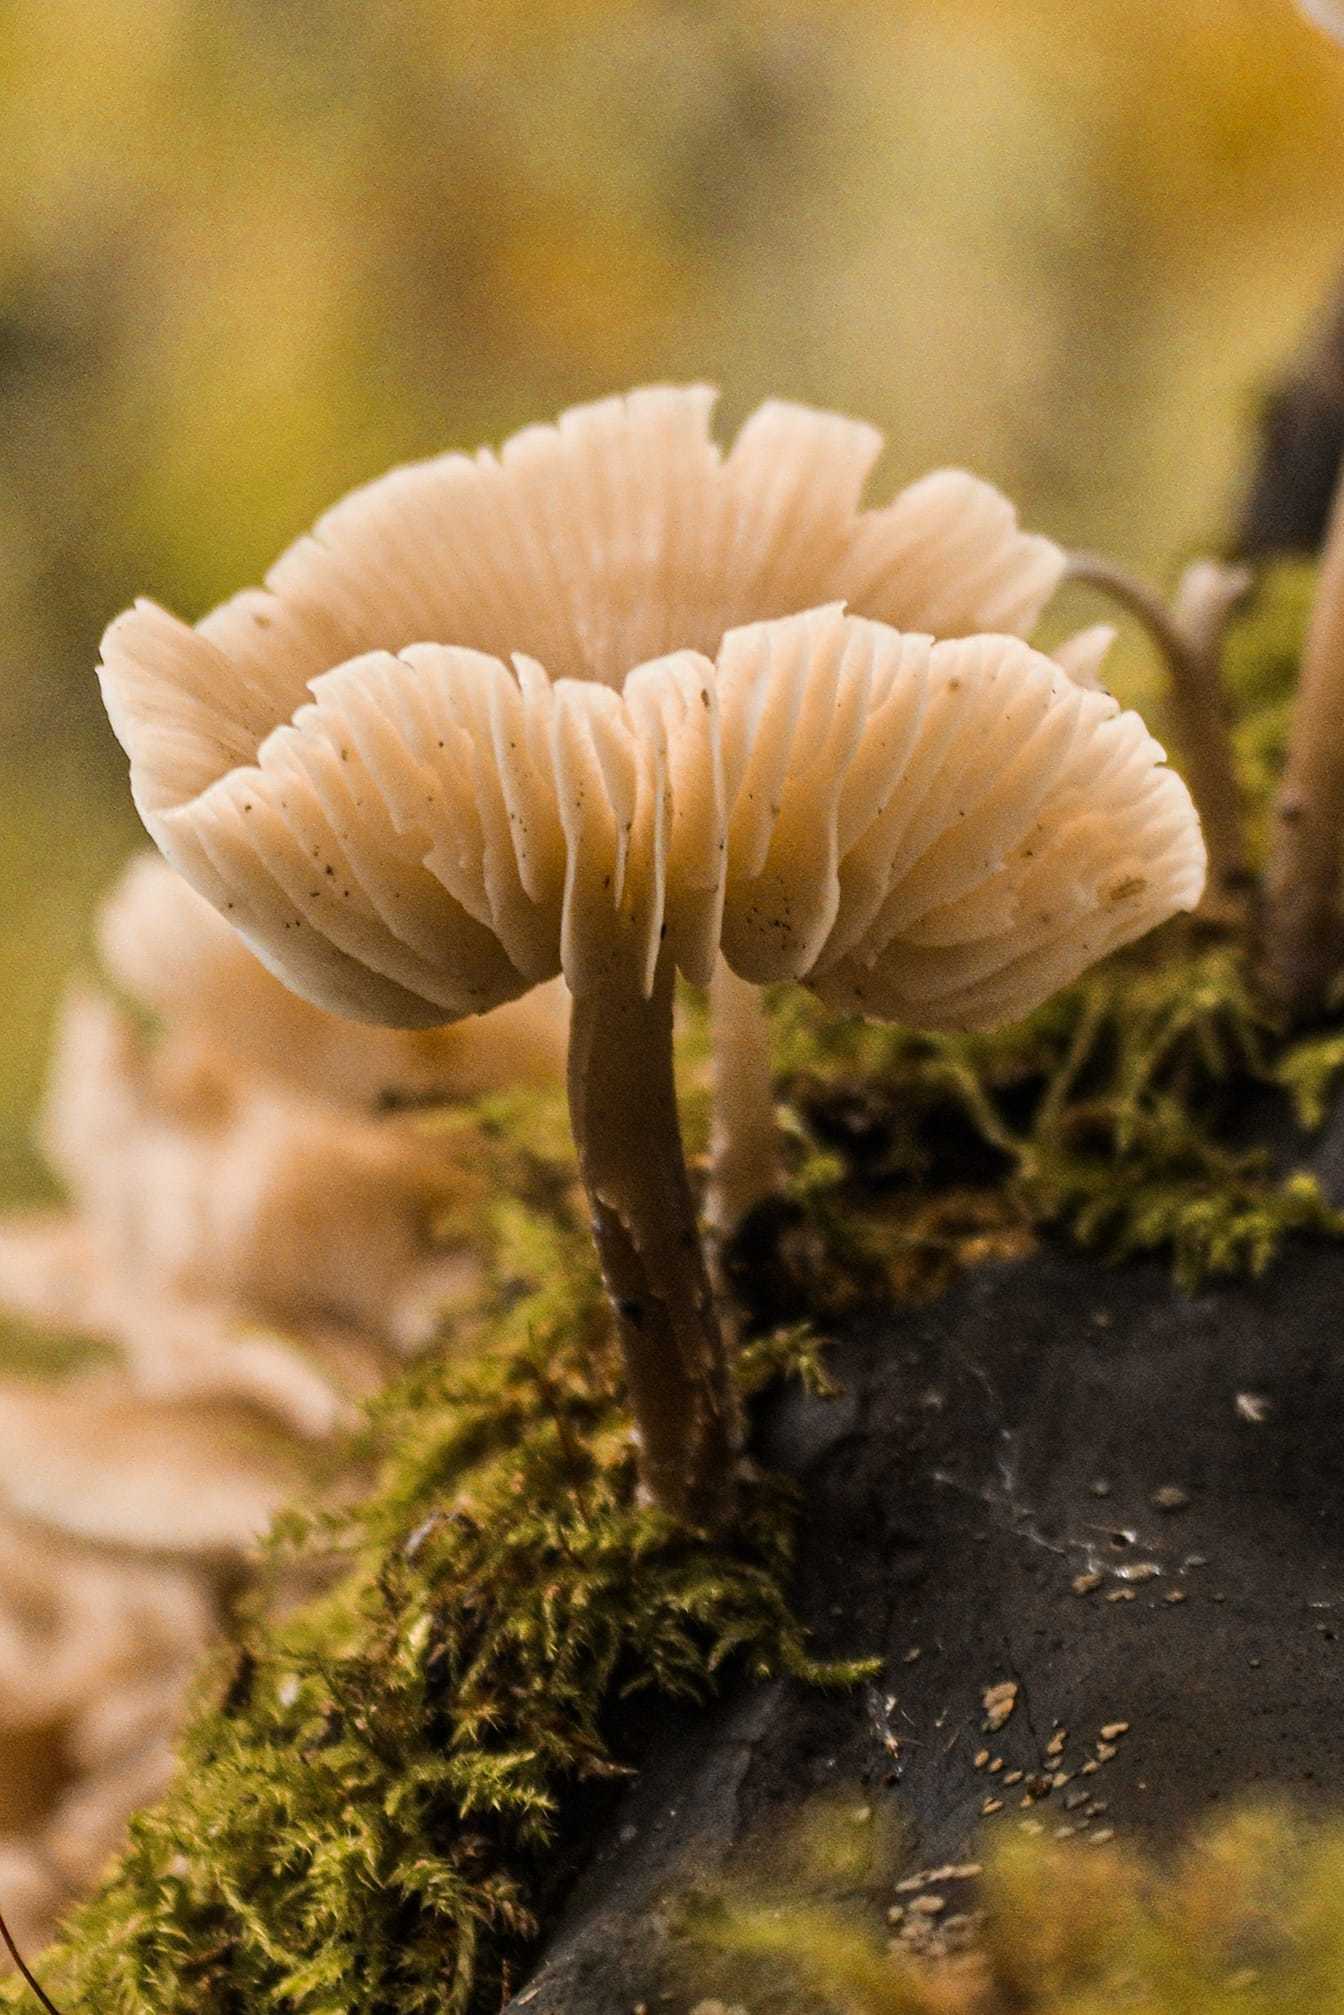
(1303, 937)
(623, 1104)
(1190, 638)
(744, 1142)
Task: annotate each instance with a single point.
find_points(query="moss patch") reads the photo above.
(1119, 1115)
(1247, 1920)
(379, 1788)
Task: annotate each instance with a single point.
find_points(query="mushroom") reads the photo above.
(595, 707)
(99, 1646)
(744, 1144)
(1327, 14)
(1190, 636)
(227, 1237)
(170, 951)
(93, 1459)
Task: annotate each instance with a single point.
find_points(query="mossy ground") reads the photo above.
(381, 1782)
(385, 1778)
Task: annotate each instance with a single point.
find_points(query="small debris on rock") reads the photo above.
(1055, 1746)
(999, 1702)
(981, 1758)
(1170, 1498)
(1086, 1584)
(912, 1656)
(951, 1871)
(1014, 1777)
(1033, 1826)
(1102, 1835)
(1105, 1751)
(1113, 1730)
(990, 1806)
(1174, 1595)
(1139, 1570)
(895, 1912)
(996, 1766)
(1253, 1406)
(1100, 1487)
(1121, 1595)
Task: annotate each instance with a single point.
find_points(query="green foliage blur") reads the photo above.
(1246, 1919)
(253, 251)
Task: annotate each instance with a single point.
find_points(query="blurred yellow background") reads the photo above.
(253, 251)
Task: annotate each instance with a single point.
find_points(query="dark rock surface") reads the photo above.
(1046, 1420)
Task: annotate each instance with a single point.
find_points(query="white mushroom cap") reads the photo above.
(1327, 14)
(167, 948)
(96, 1461)
(939, 831)
(212, 1205)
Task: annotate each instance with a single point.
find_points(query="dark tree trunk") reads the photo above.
(1044, 1423)
(1301, 445)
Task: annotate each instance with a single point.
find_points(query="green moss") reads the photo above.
(1247, 1920)
(379, 1787)
(1118, 1114)
(1263, 650)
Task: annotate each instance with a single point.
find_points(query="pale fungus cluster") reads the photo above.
(616, 704)
(1327, 14)
(241, 1223)
(253, 1246)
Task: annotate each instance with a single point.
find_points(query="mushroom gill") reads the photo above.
(172, 953)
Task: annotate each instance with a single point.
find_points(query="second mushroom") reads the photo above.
(596, 706)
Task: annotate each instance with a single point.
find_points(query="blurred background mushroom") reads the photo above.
(238, 1261)
(228, 1232)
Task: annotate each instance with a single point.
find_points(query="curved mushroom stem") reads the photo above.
(623, 1106)
(1190, 638)
(744, 1143)
(1303, 934)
